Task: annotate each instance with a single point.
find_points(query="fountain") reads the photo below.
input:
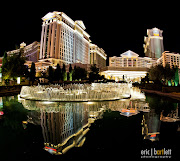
(76, 92)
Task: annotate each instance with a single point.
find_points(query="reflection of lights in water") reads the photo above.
(90, 103)
(93, 114)
(50, 150)
(69, 94)
(24, 122)
(91, 120)
(126, 112)
(153, 136)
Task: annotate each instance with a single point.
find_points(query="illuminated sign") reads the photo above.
(156, 32)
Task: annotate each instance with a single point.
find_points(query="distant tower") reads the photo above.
(153, 46)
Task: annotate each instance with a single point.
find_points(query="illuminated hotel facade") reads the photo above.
(64, 40)
(131, 59)
(30, 52)
(153, 46)
(129, 65)
(97, 56)
(173, 59)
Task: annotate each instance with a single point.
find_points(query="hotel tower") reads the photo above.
(64, 40)
(153, 46)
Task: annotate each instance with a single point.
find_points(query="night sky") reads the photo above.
(114, 26)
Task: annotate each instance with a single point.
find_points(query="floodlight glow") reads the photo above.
(18, 80)
(40, 92)
(47, 102)
(48, 16)
(90, 103)
(19, 98)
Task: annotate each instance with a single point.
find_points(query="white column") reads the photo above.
(52, 41)
(131, 62)
(57, 44)
(136, 62)
(44, 42)
(41, 47)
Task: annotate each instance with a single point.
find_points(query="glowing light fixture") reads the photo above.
(40, 92)
(47, 102)
(90, 103)
(18, 80)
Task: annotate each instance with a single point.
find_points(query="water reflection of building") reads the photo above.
(64, 125)
(60, 127)
(151, 125)
(170, 117)
(128, 107)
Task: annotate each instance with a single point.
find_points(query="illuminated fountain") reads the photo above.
(77, 92)
(137, 94)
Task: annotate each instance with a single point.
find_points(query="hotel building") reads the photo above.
(64, 40)
(97, 56)
(129, 65)
(31, 51)
(173, 59)
(131, 59)
(153, 46)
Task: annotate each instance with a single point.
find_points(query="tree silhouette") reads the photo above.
(94, 73)
(57, 73)
(50, 74)
(32, 73)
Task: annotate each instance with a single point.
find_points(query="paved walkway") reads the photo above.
(174, 95)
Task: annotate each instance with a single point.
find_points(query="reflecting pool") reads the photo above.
(89, 130)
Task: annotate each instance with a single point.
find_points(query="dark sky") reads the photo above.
(114, 26)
